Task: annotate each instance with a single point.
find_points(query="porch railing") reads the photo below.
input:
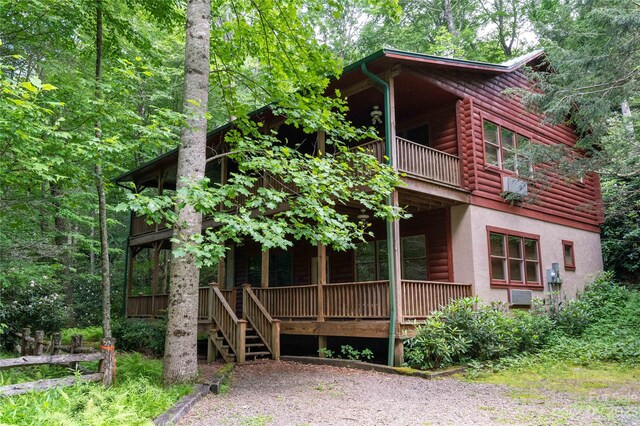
(423, 162)
(420, 298)
(139, 226)
(289, 302)
(265, 326)
(420, 161)
(233, 329)
(357, 300)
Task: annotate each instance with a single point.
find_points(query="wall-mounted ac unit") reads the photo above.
(514, 186)
(521, 297)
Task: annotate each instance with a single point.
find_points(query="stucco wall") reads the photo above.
(471, 254)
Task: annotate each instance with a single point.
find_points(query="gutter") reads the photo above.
(390, 253)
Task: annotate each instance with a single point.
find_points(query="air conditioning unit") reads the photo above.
(521, 297)
(514, 187)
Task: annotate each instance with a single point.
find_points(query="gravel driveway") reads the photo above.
(286, 393)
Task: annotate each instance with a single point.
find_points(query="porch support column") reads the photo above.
(264, 275)
(155, 276)
(393, 237)
(131, 254)
(222, 273)
(230, 267)
(322, 278)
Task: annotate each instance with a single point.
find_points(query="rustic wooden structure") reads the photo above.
(455, 137)
(32, 351)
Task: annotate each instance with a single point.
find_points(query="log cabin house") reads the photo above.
(455, 137)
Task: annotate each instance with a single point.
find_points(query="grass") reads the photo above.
(89, 334)
(137, 397)
(565, 377)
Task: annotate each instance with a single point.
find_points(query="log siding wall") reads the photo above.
(571, 203)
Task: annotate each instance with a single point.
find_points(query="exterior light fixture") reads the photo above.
(376, 115)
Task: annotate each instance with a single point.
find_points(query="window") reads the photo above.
(505, 148)
(371, 261)
(514, 258)
(280, 268)
(254, 270)
(569, 258)
(414, 258)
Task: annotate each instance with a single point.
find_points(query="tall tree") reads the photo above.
(102, 198)
(180, 360)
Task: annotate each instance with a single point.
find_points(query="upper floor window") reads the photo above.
(505, 149)
(514, 258)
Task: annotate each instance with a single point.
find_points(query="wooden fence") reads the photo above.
(33, 352)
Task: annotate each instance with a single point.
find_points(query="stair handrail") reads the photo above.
(233, 329)
(267, 328)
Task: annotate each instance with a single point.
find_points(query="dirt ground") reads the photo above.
(285, 393)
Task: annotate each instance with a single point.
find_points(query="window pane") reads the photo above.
(498, 269)
(525, 165)
(508, 139)
(515, 248)
(568, 255)
(491, 144)
(491, 133)
(382, 251)
(509, 160)
(383, 271)
(515, 270)
(497, 244)
(491, 155)
(413, 247)
(533, 272)
(366, 272)
(531, 249)
(414, 269)
(365, 252)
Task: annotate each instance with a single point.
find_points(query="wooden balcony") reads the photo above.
(426, 170)
(420, 162)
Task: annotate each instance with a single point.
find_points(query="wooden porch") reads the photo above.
(359, 309)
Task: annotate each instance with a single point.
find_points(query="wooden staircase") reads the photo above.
(255, 337)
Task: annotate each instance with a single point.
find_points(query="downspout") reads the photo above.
(390, 259)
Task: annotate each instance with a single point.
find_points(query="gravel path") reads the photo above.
(285, 393)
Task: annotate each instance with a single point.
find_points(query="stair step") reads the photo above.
(260, 353)
(254, 345)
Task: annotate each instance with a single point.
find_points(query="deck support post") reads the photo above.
(264, 274)
(155, 276)
(398, 353)
(322, 279)
(212, 350)
(322, 344)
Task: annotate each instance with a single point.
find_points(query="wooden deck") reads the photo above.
(358, 309)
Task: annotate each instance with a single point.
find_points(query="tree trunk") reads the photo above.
(448, 15)
(102, 199)
(180, 359)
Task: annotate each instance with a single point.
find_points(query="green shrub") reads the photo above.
(436, 344)
(465, 330)
(140, 336)
(32, 297)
